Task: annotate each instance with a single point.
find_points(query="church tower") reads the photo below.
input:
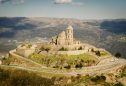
(69, 35)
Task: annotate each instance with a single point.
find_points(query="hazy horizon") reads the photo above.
(57, 17)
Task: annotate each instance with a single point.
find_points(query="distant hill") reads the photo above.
(108, 34)
(117, 26)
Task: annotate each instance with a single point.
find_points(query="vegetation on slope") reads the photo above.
(10, 76)
(108, 79)
(16, 77)
(68, 61)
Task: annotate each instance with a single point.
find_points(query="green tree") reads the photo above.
(118, 55)
(80, 48)
(63, 49)
(45, 48)
(98, 53)
(79, 65)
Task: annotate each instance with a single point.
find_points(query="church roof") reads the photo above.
(70, 27)
(62, 34)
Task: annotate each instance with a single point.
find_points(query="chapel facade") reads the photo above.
(65, 38)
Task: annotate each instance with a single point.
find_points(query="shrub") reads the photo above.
(118, 55)
(98, 53)
(45, 48)
(118, 84)
(63, 49)
(7, 61)
(79, 65)
(92, 50)
(80, 48)
(67, 67)
(29, 45)
(98, 78)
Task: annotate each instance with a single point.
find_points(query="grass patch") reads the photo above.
(60, 60)
(37, 57)
(103, 53)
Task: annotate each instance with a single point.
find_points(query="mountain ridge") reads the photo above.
(108, 34)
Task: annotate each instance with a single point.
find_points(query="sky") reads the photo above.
(80, 9)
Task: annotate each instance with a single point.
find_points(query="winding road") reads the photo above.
(107, 65)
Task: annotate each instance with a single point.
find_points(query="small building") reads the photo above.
(25, 49)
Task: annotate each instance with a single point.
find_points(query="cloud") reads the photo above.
(12, 1)
(77, 3)
(68, 2)
(18, 1)
(4, 1)
(62, 1)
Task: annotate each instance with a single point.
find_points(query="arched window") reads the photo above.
(68, 36)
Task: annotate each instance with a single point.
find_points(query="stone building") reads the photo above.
(25, 49)
(65, 38)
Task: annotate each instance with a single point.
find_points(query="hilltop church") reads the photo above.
(64, 43)
(65, 38)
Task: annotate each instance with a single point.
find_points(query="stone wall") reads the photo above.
(68, 47)
(24, 52)
(75, 52)
(21, 61)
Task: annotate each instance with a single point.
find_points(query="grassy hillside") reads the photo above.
(60, 61)
(17, 77)
(10, 76)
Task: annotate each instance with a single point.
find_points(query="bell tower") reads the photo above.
(69, 35)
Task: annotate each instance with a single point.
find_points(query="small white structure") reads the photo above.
(26, 49)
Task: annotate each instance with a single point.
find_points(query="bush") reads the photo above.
(7, 61)
(63, 49)
(67, 67)
(118, 55)
(28, 45)
(98, 53)
(80, 48)
(45, 48)
(118, 84)
(98, 79)
(80, 65)
(92, 50)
